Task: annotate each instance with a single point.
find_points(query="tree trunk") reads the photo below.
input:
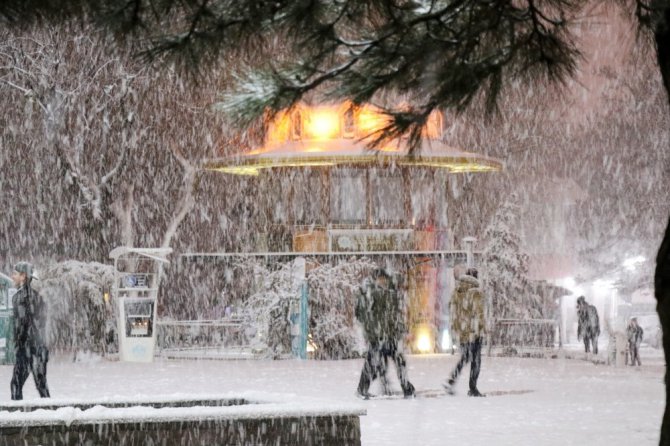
(662, 274)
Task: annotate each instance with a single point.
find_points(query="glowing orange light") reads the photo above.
(424, 339)
(370, 121)
(329, 122)
(433, 128)
(322, 123)
(279, 129)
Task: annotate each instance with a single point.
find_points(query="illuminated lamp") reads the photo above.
(424, 339)
(322, 123)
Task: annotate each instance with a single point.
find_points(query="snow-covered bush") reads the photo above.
(79, 318)
(511, 295)
(273, 295)
(332, 295)
(506, 267)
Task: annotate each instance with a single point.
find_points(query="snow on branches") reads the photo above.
(506, 267)
(274, 296)
(332, 295)
(79, 318)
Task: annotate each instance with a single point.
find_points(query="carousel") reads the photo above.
(336, 196)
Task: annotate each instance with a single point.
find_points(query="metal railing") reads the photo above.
(534, 333)
(228, 336)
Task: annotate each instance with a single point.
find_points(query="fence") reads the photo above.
(233, 336)
(514, 333)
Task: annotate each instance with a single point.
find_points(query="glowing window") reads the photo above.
(388, 198)
(322, 123)
(348, 196)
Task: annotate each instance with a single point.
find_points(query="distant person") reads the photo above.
(634, 333)
(379, 310)
(468, 323)
(29, 313)
(588, 326)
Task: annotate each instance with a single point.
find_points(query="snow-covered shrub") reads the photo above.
(273, 296)
(332, 295)
(79, 318)
(505, 267)
(511, 295)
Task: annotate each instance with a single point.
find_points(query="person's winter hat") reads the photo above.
(27, 268)
(581, 299)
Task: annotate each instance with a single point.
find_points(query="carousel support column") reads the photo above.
(325, 178)
(300, 311)
(304, 294)
(291, 198)
(407, 197)
(368, 199)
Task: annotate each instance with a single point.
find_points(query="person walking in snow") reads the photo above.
(588, 325)
(29, 312)
(379, 310)
(468, 323)
(634, 334)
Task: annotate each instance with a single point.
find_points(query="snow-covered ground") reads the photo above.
(560, 401)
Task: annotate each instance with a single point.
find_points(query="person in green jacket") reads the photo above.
(379, 310)
(468, 324)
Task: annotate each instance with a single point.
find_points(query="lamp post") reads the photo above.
(469, 245)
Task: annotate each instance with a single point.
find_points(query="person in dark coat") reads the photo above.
(379, 310)
(29, 313)
(634, 334)
(468, 323)
(588, 325)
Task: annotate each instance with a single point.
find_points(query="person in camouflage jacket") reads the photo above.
(468, 324)
(379, 310)
(31, 351)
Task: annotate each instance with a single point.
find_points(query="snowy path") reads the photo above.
(569, 401)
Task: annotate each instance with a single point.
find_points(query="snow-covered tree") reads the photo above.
(271, 301)
(505, 267)
(80, 320)
(270, 294)
(333, 290)
(98, 150)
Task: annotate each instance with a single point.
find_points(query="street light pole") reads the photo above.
(469, 245)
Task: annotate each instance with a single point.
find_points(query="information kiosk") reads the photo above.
(135, 291)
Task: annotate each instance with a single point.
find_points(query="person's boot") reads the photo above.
(449, 386)
(363, 395)
(408, 391)
(475, 392)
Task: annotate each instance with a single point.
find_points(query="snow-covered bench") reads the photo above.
(254, 419)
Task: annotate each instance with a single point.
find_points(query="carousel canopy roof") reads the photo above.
(334, 136)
